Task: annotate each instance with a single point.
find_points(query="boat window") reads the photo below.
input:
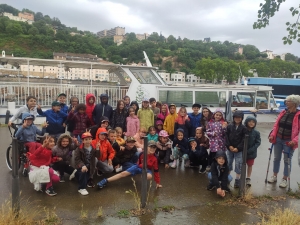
(262, 99)
(243, 99)
(145, 76)
(208, 98)
(176, 97)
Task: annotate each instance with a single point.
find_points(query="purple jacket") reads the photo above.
(133, 125)
(216, 135)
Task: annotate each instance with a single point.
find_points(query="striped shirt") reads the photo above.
(286, 125)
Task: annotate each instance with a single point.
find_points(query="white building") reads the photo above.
(72, 74)
(164, 75)
(178, 77)
(269, 53)
(17, 18)
(192, 78)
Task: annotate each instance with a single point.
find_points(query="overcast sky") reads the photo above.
(220, 20)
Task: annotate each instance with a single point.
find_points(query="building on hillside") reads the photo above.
(192, 78)
(164, 75)
(76, 57)
(112, 32)
(17, 18)
(206, 40)
(269, 54)
(142, 36)
(118, 39)
(26, 16)
(65, 73)
(240, 50)
(178, 77)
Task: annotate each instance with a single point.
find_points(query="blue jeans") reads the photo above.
(131, 162)
(82, 178)
(135, 169)
(279, 148)
(238, 157)
(210, 178)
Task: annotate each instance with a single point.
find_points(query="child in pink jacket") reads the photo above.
(133, 123)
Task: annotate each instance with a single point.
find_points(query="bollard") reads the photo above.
(144, 175)
(242, 190)
(7, 115)
(15, 178)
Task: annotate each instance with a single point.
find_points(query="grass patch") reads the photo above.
(251, 201)
(124, 213)
(281, 217)
(100, 212)
(28, 214)
(83, 213)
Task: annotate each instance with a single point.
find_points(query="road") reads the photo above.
(183, 188)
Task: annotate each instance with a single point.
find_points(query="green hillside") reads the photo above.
(213, 60)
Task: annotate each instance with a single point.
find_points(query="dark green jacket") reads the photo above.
(254, 139)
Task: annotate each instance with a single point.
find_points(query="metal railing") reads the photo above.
(47, 93)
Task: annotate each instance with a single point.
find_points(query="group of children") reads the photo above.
(103, 140)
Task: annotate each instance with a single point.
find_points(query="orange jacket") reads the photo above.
(106, 150)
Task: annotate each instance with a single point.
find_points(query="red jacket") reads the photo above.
(42, 157)
(152, 163)
(90, 107)
(106, 150)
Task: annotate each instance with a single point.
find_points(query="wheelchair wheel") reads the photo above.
(9, 158)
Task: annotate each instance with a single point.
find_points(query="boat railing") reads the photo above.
(47, 93)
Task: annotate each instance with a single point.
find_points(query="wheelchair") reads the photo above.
(23, 153)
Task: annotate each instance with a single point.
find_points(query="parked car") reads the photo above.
(11, 75)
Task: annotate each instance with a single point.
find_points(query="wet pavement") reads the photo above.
(183, 188)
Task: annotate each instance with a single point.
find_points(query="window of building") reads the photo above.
(145, 76)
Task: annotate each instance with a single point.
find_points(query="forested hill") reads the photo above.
(211, 60)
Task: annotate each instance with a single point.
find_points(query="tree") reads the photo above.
(28, 11)
(168, 66)
(38, 16)
(251, 52)
(171, 39)
(269, 9)
(33, 31)
(131, 37)
(290, 57)
(154, 37)
(14, 28)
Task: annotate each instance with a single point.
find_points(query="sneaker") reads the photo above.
(174, 163)
(99, 173)
(210, 187)
(248, 182)
(72, 175)
(283, 183)
(187, 163)
(102, 183)
(83, 191)
(207, 169)
(61, 179)
(236, 183)
(172, 157)
(202, 170)
(90, 183)
(119, 169)
(50, 191)
(273, 179)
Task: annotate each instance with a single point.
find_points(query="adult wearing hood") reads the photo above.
(284, 136)
(28, 131)
(90, 100)
(102, 109)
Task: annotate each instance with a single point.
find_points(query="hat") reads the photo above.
(145, 100)
(196, 105)
(192, 139)
(103, 132)
(55, 103)
(130, 139)
(104, 120)
(29, 117)
(61, 94)
(151, 143)
(159, 122)
(163, 133)
(86, 135)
